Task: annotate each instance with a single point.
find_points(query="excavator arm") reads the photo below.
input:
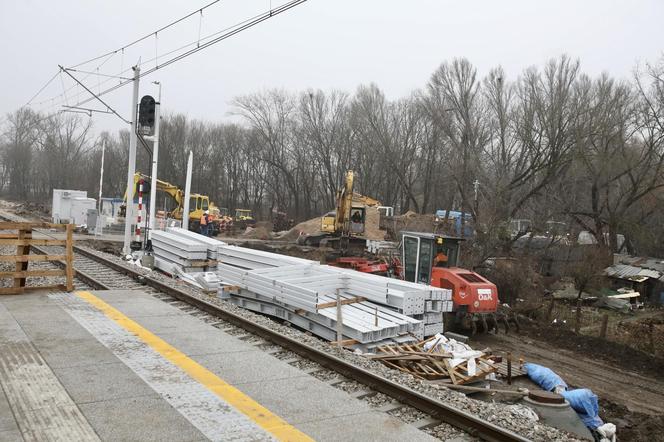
(170, 189)
(344, 204)
(366, 200)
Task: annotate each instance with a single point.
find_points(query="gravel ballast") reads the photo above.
(498, 414)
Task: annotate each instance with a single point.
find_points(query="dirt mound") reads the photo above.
(261, 230)
(308, 227)
(372, 225)
(409, 222)
(312, 227)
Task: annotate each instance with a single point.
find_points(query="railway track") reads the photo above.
(99, 272)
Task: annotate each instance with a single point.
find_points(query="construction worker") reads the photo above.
(205, 218)
(440, 260)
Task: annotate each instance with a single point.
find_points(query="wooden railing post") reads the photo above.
(70, 257)
(20, 251)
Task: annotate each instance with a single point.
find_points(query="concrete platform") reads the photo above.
(123, 365)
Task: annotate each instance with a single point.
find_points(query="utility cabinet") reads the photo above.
(62, 202)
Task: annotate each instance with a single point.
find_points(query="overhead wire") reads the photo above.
(109, 55)
(173, 23)
(42, 88)
(221, 35)
(95, 96)
(74, 85)
(199, 44)
(98, 74)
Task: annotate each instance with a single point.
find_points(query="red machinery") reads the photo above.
(363, 265)
(429, 258)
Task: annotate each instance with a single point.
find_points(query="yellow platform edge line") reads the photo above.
(263, 417)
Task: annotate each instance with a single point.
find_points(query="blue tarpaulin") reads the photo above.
(544, 377)
(582, 400)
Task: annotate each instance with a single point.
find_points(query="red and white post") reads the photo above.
(140, 208)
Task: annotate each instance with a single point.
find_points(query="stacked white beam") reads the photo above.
(364, 321)
(407, 297)
(283, 285)
(212, 245)
(175, 254)
(251, 259)
(299, 284)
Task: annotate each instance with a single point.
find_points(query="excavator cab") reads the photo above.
(421, 252)
(357, 220)
(243, 215)
(198, 203)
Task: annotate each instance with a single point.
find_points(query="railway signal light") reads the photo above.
(146, 113)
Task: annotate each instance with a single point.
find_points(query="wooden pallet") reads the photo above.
(430, 365)
(483, 367)
(22, 239)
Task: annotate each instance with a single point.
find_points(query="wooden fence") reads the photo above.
(22, 239)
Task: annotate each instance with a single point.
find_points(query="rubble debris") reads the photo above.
(437, 358)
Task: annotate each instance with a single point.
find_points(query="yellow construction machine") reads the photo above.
(243, 218)
(198, 204)
(342, 228)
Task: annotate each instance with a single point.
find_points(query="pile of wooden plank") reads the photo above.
(434, 363)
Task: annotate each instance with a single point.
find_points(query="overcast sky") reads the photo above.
(326, 44)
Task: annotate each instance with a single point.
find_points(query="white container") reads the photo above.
(61, 207)
(79, 210)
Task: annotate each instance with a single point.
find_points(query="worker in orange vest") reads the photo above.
(205, 218)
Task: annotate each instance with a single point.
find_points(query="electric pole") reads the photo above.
(155, 159)
(476, 187)
(187, 192)
(131, 169)
(101, 185)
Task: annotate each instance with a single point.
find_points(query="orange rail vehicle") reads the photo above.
(429, 258)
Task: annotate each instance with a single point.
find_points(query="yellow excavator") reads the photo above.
(198, 204)
(343, 227)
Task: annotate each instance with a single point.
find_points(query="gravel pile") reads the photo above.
(496, 413)
(285, 355)
(305, 364)
(326, 375)
(350, 386)
(268, 347)
(408, 414)
(448, 432)
(378, 400)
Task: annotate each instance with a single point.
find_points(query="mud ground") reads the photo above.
(629, 383)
